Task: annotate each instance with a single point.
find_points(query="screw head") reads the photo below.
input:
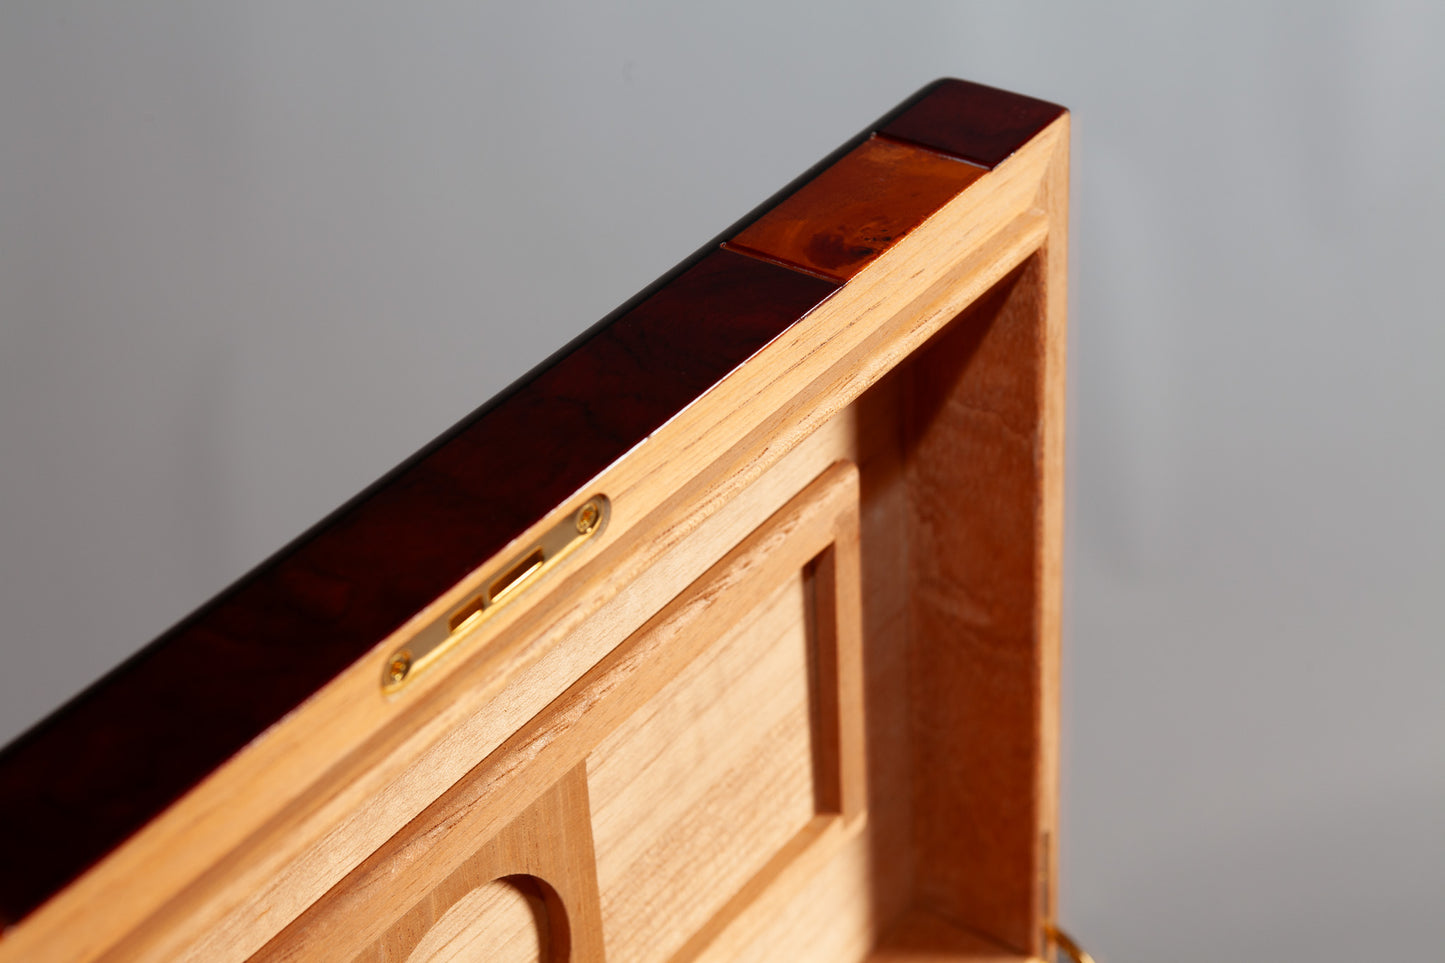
(399, 666)
(588, 517)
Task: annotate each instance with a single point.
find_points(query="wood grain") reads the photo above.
(819, 908)
(973, 491)
(277, 815)
(528, 888)
(924, 937)
(309, 846)
(543, 860)
(154, 728)
(983, 125)
(985, 465)
(323, 601)
(705, 782)
(614, 698)
(842, 220)
(283, 877)
(499, 921)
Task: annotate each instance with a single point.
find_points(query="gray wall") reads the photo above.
(251, 255)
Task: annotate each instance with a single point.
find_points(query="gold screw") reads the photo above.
(399, 667)
(587, 518)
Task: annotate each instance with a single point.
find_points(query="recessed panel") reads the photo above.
(705, 782)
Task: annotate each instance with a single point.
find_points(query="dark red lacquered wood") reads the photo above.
(843, 219)
(983, 125)
(114, 758)
(132, 746)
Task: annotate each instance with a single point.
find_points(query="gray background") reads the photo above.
(252, 255)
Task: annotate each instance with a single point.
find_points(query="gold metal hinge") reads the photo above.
(509, 581)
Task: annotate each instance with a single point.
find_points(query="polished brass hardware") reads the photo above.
(1072, 950)
(508, 582)
(399, 666)
(467, 613)
(587, 518)
(517, 576)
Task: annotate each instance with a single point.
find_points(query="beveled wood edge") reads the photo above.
(40, 736)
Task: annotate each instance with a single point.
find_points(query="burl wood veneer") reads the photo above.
(789, 692)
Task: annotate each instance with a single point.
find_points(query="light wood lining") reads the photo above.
(924, 937)
(496, 797)
(985, 466)
(695, 792)
(262, 838)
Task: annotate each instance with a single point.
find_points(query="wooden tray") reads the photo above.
(730, 633)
